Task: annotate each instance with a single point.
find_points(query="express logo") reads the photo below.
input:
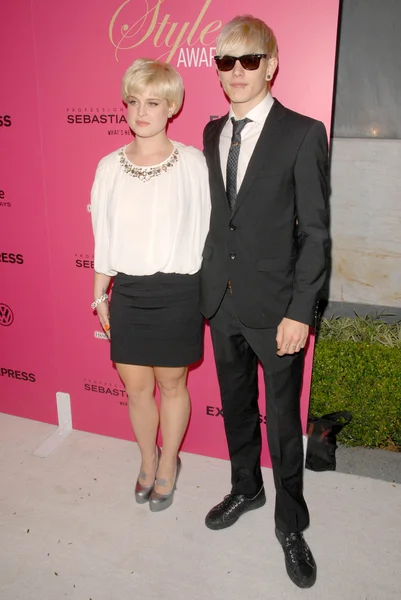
(5, 121)
(216, 411)
(84, 261)
(6, 315)
(11, 258)
(17, 374)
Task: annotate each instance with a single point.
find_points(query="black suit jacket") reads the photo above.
(273, 247)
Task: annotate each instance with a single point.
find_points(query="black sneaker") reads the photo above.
(233, 506)
(301, 566)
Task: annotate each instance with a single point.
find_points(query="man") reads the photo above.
(263, 267)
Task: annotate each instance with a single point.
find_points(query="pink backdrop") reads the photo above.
(28, 366)
(62, 91)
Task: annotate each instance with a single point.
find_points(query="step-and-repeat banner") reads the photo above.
(60, 112)
(28, 351)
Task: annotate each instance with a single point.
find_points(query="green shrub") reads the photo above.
(363, 377)
(374, 330)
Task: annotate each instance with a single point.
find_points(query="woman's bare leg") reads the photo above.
(175, 408)
(139, 384)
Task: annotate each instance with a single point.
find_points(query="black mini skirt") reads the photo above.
(155, 320)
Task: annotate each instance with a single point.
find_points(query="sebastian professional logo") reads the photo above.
(6, 315)
(96, 116)
(5, 121)
(19, 375)
(131, 26)
(104, 388)
(112, 120)
(11, 258)
(84, 261)
(3, 202)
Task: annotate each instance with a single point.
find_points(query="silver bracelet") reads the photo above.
(99, 300)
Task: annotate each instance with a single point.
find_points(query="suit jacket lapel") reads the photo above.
(215, 144)
(265, 153)
(215, 162)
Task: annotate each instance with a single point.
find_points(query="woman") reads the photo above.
(150, 214)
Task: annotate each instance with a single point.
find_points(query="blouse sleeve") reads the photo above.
(200, 170)
(205, 201)
(100, 225)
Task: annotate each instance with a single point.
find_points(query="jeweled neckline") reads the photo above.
(146, 173)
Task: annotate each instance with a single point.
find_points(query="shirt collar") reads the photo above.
(259, 112)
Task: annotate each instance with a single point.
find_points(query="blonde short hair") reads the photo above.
(161, 77)
(247, 31)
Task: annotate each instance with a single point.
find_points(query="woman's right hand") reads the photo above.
(104, 317)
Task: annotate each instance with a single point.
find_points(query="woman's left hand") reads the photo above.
(104, 317)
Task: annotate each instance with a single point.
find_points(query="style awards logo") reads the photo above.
(186, 43)
(4, 203)
(112, 120)
(6, 315)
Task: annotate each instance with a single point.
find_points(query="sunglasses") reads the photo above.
(250, 62)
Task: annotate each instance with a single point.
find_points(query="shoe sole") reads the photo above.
(290, 574)
(141, 499)
(224, 525)
(299, 584)
(162, 505)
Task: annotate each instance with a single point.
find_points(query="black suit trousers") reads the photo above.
(237, 350)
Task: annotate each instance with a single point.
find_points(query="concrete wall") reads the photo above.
(366, 161)
(366, 221)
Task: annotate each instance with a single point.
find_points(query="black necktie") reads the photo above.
(232, 161)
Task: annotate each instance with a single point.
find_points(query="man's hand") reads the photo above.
(291, 336)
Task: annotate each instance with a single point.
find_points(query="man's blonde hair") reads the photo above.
(247, 31)
(164, 80)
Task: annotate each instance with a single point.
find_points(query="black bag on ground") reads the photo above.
(322, 442)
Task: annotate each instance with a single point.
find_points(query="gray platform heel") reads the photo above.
(143, 492)
(158, 502)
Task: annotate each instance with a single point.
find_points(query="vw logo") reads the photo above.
(6, 315)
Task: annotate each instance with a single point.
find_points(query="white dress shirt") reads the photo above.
(249, 137)
(159, 225)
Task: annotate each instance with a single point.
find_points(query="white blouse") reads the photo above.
(150, 219)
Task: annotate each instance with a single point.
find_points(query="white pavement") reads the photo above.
(70, 528)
